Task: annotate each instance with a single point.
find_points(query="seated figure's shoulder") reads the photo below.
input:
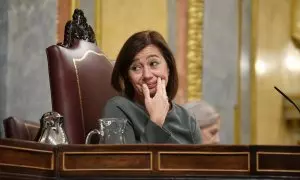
(117, 101)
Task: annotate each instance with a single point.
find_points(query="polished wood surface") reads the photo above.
(165, 160)
(30, 160)
(25, 159)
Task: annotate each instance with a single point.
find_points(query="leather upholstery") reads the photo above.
(20, 129)
(80, 86)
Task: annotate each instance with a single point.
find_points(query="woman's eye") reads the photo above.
(135, 68)
(214, 131)
(154, 63)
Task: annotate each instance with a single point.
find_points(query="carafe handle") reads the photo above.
(90, 134)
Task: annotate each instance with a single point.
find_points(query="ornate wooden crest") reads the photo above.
(77, 28)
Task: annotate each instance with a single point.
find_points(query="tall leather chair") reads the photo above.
(79, 75)
(80, 86)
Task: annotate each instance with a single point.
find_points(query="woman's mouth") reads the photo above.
(151, 86)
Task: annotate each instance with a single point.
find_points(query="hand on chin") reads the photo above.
(152, 92)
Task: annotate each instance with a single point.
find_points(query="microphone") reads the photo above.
(289, 99)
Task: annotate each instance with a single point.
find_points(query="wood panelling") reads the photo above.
(107, 161)
(29, 159)
(204, 161)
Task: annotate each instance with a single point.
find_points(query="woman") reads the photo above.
(145, 74)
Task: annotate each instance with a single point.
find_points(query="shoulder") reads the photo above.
(181, 111)
(184, 116)
(115, 107)
(118, 101)
(121, 102)
(177, 107)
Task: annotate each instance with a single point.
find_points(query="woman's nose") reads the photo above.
(217, 139)
(147, 73)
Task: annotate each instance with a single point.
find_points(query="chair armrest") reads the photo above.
(20, 129)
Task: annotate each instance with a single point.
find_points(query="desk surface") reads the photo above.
(31, 160)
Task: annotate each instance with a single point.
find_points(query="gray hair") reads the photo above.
(204, 113)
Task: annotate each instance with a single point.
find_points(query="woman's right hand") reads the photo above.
(158, 106)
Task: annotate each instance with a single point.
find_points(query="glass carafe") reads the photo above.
(109, 130)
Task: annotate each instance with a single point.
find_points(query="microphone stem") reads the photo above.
(284, 95)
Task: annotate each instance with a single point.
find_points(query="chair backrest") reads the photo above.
(80, 86)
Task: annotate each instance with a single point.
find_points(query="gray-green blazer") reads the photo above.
(179, 127)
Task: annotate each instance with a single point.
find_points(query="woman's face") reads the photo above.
(210, 134)
(147, 66)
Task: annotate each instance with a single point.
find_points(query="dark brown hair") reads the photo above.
(133, 46)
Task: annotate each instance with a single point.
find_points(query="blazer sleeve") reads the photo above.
(195, 131)
(155, 134)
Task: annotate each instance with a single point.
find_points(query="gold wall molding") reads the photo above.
(272, 55)
(117, 24)
(63, 8)
(74, 4)
(237, 107)
(181, 50)
(295, 22)
(98, 17)
(253, 93)
(194, 49)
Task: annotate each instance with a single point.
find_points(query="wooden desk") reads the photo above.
(30, 160)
